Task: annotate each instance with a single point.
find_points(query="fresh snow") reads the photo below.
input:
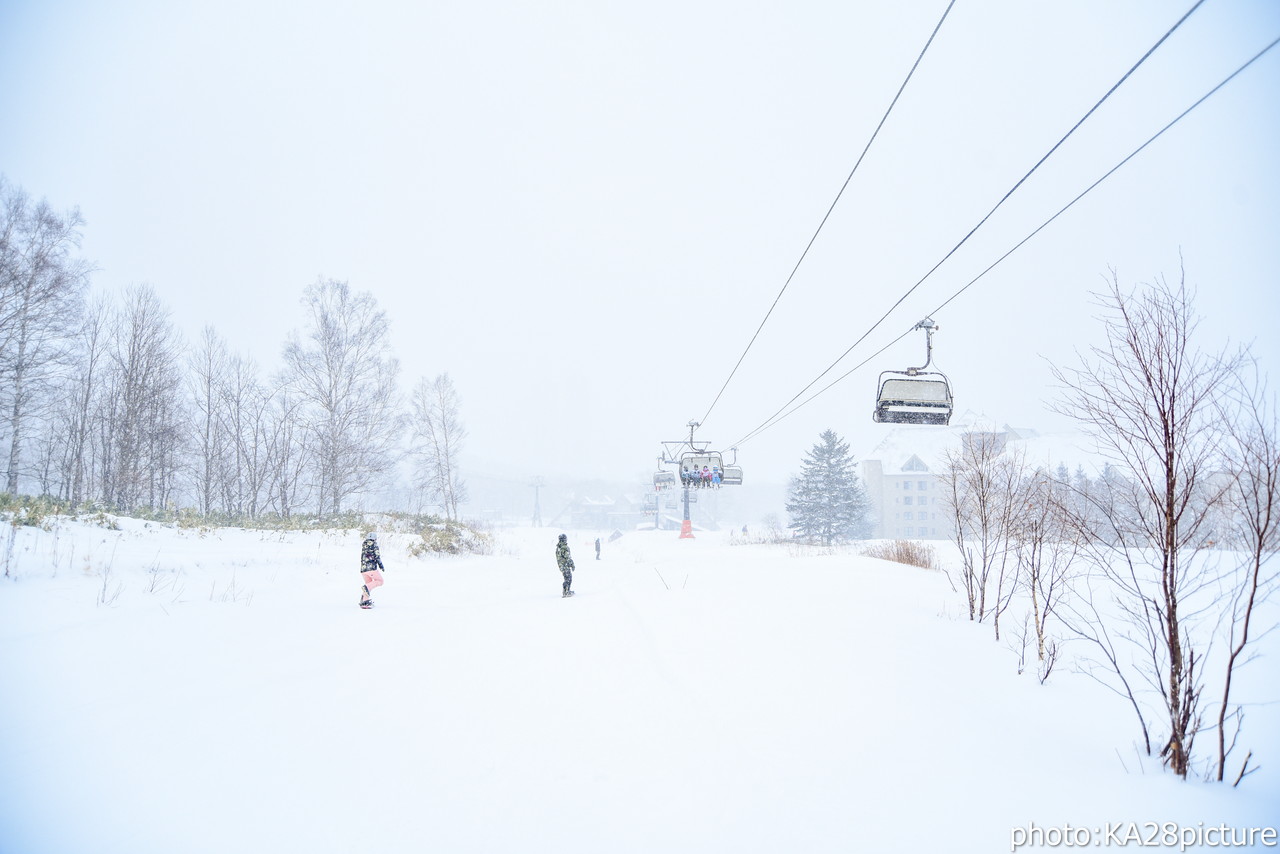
(170, 690)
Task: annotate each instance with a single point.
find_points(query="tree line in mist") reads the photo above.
(102, 403)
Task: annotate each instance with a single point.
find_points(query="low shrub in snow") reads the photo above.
(909, 552)
(451, 538)
(33, 511)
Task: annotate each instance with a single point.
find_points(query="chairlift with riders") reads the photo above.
(697, 465)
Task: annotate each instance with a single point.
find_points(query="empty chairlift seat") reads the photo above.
(916, 395)
(922, 398)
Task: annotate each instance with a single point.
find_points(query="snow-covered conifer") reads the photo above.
(826, 501)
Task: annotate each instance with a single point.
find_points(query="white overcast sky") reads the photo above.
(582, 210)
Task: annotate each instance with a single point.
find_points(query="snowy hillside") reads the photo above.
(174, 691)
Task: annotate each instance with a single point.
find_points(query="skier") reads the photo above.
(597, 548)
(565, 562)
(370, 568)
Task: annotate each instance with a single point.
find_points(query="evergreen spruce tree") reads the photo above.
(827, 501)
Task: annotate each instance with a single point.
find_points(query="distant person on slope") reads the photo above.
(370, 568)
(565, 562)
(597, 548)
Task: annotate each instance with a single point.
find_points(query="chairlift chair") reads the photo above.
(916, 395)
(693, 462)
(664, 480)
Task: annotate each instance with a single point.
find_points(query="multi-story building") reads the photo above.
(906, 497)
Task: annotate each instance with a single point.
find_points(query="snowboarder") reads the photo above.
(565, 562)
(370, 568)
(597, 548)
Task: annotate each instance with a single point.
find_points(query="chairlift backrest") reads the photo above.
(916, 390)
(692, 461)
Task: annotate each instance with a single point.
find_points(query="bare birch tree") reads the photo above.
(981, 486)
(68, 451)
(246, 406)
(1254, 501)
(344, 372)
(207, 377)
(41, 286)
(1148, 398)
(1045, 546)
(288, 453)
(143, 416)
(438, 436)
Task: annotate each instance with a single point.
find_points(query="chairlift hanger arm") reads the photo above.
(674, 448)
(929, 328)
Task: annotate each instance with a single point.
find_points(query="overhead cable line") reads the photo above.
(1132, 154)
(991, 212)
(827, 216)
(780, 415)
(784, 412)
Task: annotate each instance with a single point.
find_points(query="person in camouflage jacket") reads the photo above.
(565, 561)
(370, 568)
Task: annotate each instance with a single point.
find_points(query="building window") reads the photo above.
(906, 500)
(924, 484)
(910, 517)
(906, 485)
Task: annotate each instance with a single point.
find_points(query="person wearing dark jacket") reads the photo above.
(370, 568)
(565, 561)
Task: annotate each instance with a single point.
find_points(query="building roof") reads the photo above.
(905, 447)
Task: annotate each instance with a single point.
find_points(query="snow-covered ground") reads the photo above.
(177, 691)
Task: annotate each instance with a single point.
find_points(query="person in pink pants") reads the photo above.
(370, 568)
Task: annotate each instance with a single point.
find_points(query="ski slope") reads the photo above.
(172, 691)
